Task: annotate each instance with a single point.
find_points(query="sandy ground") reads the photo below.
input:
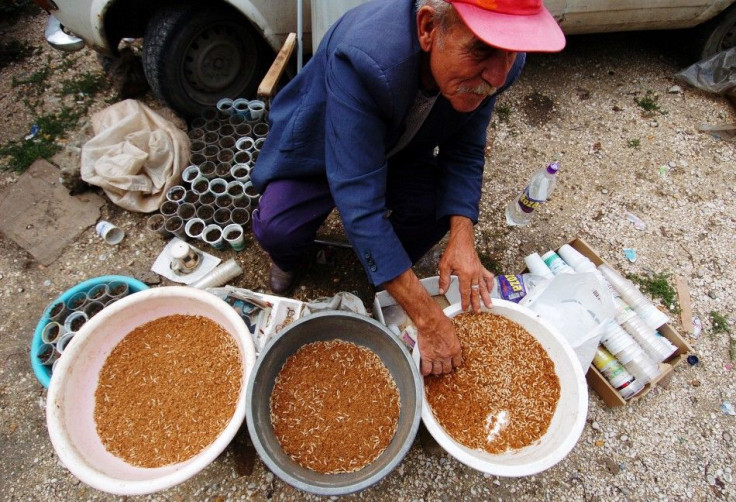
(579, 107)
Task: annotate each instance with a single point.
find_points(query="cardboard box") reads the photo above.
(598, 382)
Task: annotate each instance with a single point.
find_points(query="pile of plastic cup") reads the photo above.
(645, 336)
(652, 316)
(629, 353)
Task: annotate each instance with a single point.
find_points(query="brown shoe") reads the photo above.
(280, 281)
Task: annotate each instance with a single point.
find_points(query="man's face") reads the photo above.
(465, 69)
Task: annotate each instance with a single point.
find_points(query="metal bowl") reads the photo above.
(325, 326)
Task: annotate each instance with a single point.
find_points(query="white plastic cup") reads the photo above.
(169, 208)
(240, 107)
(206, 213)
(239, 216)
(110, 233)
(643, 368)
(218, 186)
(176, 194)
(201, 185)
(212, 235)
(47, 354)
(117, 289)
(256, 109)
(194, 228)
(241, 172)
(233, 235)
(245, 144)
(64, 341)
(190, 173)
(225, 105)
(536, 266)
(235, 189)
(74, 321)
(222, 216)
(647, 338)
(652, 316)
(219, 276)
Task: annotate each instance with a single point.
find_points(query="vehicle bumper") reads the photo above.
(60, 40)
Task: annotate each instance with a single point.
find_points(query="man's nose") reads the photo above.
(497, 67)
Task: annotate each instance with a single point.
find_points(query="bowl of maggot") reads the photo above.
(315, 403)
(150, 391)
(565, 418)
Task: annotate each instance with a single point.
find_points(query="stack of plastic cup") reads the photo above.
(651, 315)
(645, 336)
(629, 353)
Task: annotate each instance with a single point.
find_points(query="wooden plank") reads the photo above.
(686, 309)
(267, 87)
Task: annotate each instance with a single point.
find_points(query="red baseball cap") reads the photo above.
(514, 25)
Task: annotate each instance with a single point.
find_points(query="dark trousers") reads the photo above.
(291, 211)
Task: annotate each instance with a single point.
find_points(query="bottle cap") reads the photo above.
(553, 168)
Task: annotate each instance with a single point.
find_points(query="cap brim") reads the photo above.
(535, 33)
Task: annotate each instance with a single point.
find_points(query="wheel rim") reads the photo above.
(219, 62)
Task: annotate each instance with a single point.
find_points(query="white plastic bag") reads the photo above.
(577, 305)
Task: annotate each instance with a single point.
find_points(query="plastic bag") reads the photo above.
(716, 74)
(578, 305)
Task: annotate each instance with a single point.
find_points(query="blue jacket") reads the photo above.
(345, 111)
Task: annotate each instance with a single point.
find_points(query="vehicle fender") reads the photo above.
(254, 14)
(716, 7)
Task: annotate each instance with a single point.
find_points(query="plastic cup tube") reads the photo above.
(186, 211)
(643, 368)
(242, 203)
(200, 185)
(212, 125)
(175, 225)
(110, 233)
(207, 169)
(197, 122)
(190, 173)
(176, 193)
(169, 208)
(75, 321)
(52, 332)
(194, 228)
(256, 109)
(76, 301)
(233, 235)
(652, 316)
(209, 114)
(197, 158)
(227, 132)
(225, 156)
(250, 190)
(225, 105)
(260, 130)
(210, 137)
(93, 308)
(206, 213)
(197, 145)
(212, 235)
(211, 151)
(47, 354)
(196, 133)
(241, 172)
(156, 223)
(207, 199)
(224, 200)
(98, 292)
(239, 216)
(243, 158)
(235, 189)
(58, 312)
(218, 186)
(647, 338)
(245, 144)
(117, 289)
(236, 120)
(219, 276)
(243, 129)
(241, 107)
(64, 341)
(223, 169)
(222, 216)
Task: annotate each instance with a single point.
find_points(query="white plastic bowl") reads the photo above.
(70, 403)
(567, 422)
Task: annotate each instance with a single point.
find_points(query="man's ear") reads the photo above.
(426, 27)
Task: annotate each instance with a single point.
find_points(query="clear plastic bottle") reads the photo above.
(519, 212)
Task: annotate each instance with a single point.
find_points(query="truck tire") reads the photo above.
(194, 55)
(718, 34)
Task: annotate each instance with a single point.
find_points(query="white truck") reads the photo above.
(196, 52)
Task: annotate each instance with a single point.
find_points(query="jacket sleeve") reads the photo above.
(359, 104)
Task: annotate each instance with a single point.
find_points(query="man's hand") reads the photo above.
(461, 259)
(438, 342)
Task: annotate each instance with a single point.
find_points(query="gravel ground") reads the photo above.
(579, 107)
